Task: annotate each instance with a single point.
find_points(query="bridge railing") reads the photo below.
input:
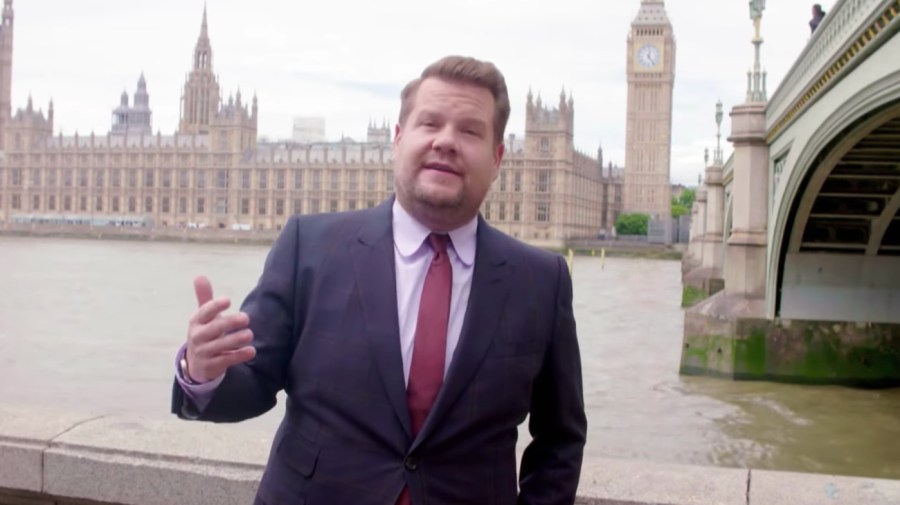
(841, 35)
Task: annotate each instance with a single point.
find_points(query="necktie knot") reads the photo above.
(439, 243)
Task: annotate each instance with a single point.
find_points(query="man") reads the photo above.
(411, 339)
(817, 16)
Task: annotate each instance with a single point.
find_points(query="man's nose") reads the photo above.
(445, 140)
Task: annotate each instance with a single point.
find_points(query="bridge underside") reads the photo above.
(842, 261)
(855, 211)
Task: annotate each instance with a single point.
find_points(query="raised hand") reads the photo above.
(215, 341)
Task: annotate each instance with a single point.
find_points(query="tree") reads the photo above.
(684, 203)
(632, 224)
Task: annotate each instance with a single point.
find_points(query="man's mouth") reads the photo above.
(440, 167)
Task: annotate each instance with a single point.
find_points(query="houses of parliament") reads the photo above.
(214, 173)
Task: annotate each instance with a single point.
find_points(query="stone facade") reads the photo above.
(214, 173)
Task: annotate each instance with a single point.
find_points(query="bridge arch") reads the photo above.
(836, 234)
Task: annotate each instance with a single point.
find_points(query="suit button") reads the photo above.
(411, 463)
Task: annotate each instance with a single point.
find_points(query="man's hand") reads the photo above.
(215, 342)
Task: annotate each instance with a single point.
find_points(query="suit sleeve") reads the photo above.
(551, 464)
(249, 389)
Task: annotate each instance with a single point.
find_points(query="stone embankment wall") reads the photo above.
(68, 458)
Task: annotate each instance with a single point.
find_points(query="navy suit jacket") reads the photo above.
(325, 326)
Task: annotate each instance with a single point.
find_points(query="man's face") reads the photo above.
(445, 154)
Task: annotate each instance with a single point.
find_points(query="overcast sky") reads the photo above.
(347, 60)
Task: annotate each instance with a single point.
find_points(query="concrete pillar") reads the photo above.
(713, 252)
(698, 229)
(745, 275)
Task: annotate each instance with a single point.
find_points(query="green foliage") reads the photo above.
(687, 197)
(684, 203)
(679, 210)
(632, 224)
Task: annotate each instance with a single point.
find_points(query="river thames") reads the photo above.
(93, 325)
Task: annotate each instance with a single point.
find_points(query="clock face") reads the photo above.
(648, 56)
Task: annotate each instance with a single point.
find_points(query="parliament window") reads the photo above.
(502, 181)
(389, 186)
(165, 204)
(502, 213)
(35, 202)
(83, 177)
(245, 206)
(351, 205)
(148, 204)
(517, 182)
(148, 177)
(132, 178)
(201, 205)
(117, 178)
(298, 179)
(132, 204)
(245, 179)
(543, 181)
(15, 176)
(67, 203)
(263, 179)
(261, 207)
(279, 207)
(67, 177)
(221, 205)
(51, 202)
(222, 179)
(280, 180)
(314, 207)
(183, 178)
(370, 181)
(83, 205)
(543, 212)
(201, 179)
(333, 206)
(35, 178)
(16, 202)
(334, 180)
(115, 204)
(98, 204)
(98, 178)
(182, 205)
(517, 209)
(298, 206)
(353, 183)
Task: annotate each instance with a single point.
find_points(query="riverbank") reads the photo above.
(609, 248)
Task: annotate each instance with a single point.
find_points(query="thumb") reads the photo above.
(203, 290)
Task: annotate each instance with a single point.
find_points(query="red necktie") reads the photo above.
(426, 373)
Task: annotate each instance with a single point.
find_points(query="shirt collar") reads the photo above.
(410, 234)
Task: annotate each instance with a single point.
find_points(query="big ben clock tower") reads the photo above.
(648, 138)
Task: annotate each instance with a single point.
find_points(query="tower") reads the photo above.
(6, 52)
(549, 131)
(200, 99)
(648, 138)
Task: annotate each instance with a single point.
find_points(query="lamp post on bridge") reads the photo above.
(756, 80)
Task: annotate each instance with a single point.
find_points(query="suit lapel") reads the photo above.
(487, 299)
(373, 261)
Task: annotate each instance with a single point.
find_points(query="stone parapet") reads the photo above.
(64, 458)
